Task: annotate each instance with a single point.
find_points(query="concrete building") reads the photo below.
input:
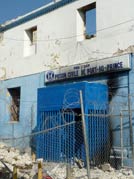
(62, 42)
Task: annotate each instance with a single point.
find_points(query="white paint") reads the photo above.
(80, 26)
(114, 32)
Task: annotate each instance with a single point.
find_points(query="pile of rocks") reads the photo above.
(10, 157)
(104, 172)
(27, 169)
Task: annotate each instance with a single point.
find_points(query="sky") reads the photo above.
(10, 9)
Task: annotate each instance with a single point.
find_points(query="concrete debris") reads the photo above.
(59, 172)
(12, 157)
(106, 167)
(80, 163)
(28, 169)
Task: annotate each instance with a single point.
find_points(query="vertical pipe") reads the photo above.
(130, 121)
(15, 172)
(40, 175)
(68, 171)
(131, 130)
(31, 126)
(85, 135)
(68, 166)
(121, 138)
(32, 117)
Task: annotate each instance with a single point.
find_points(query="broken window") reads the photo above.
(14, 94)
(86, 22)
(30, 41)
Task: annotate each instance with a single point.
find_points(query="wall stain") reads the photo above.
(2, 73)
(113, 83)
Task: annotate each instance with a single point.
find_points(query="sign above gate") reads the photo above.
(106, 65)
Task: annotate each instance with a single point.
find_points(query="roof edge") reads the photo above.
(35, 14)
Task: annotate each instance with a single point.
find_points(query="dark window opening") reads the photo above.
(32, 35)
(88, 14)
(15, 103)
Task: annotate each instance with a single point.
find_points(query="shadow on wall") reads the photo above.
(113, 83)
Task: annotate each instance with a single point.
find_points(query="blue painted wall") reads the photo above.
(28, 105)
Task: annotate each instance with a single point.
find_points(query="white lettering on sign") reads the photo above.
(112, 64)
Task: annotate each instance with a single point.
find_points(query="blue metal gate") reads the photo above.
(56, 142)
(61, 138)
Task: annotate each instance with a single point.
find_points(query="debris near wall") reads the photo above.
(105, 171)
(10, 157)
(28, 169)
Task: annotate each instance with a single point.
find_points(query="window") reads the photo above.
(32, 34)
(30, 41)
(86, 23)
(14, 94)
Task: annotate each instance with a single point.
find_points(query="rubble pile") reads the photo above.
(28, 169)
(10, 157)
(103, 172)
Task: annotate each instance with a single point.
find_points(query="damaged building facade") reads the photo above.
(61, 43)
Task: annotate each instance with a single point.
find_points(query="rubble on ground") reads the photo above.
(10, 157)
(28, 169)
(59, 172)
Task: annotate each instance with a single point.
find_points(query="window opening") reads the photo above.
(32, 34)
(30, 41)
(87, 21)
(14, 103)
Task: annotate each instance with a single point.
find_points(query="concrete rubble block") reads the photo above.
(106, 167)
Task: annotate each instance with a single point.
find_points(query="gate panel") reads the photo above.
(56, 143)
(59, 117)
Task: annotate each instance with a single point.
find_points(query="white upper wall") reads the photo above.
(60, 40)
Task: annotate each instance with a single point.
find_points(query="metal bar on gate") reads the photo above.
(130, 122)
(131, 130)
(85, 136)
(121, 138)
